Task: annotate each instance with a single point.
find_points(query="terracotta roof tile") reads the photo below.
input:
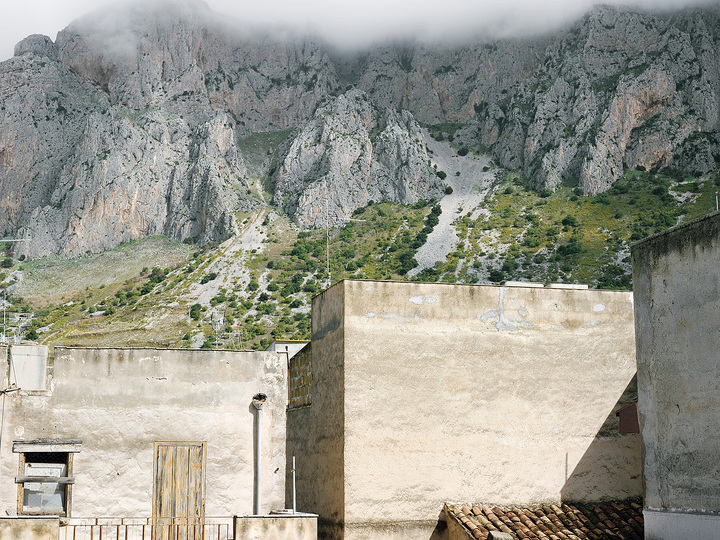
(597, 521)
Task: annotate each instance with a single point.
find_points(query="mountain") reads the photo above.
(164, 118)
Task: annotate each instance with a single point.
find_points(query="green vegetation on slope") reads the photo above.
(158, 293)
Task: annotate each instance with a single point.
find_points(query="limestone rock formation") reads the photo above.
(128, 124)
(619, 90)
(348, 154)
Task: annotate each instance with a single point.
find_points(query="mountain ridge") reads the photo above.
(131, 123)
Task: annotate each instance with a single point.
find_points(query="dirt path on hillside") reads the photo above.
(470, 186)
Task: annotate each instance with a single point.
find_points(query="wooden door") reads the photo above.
(179, 491)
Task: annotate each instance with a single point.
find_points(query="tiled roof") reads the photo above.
(591, 521)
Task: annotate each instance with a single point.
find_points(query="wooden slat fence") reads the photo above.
(211, 528)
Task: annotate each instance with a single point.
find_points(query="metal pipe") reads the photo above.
(294, 507)
(258, 402)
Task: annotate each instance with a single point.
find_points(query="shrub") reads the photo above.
(208, 277)
(570, 221)
(496, 276)
(448, 190)
(147, 288)
(463, 151)
(432, 220)
(441, 175)
(7, 262)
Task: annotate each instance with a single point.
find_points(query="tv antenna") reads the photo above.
(327, 232)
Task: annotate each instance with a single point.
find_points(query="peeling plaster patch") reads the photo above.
(416, 299)
(522, 311)
(394, 317)
(369, 288)
(504, 325)
(598, 307)
(370, 314)
(490, 315)
(430, 300)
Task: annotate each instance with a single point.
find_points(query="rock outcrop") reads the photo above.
(348, 154)
(620, 90)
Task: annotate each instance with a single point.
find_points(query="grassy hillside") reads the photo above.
(257, 287)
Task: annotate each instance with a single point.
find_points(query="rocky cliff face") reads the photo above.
(619, 90)
(128, 124)
(351, 153)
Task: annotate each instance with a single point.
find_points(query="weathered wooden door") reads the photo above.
(179, 491)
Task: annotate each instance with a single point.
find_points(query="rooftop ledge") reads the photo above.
(530, 284)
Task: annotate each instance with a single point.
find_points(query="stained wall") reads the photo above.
(500, 395)
(677, 321)
(121, 401)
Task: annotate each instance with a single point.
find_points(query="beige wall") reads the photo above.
(477, 393)
(121, 401)
(677, 319)
(316, 433)
(18, 528)
(275, 527)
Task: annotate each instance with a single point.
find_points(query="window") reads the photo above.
(45, 476)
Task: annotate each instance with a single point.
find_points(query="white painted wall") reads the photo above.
(121, 401)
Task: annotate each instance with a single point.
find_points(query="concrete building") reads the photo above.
(134, 433)
(412, 394)
(677, 324)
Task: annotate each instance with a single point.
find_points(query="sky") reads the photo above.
(344, 22)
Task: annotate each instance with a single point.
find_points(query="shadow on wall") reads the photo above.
(611, 467)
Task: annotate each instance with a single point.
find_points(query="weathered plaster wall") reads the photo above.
(315, 434)
(480, 393)
(18, 528)
(276, 527)
(121, 401)
(677, 319)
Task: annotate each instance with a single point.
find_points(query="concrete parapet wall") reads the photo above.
(29, 528)
(276, 527)
(662, 525)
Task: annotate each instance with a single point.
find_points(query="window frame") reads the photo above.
(68, 447)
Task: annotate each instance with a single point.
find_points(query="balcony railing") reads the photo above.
(147, 528)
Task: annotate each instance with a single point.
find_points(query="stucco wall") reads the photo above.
(18, 528)
(276, 527)
(481, 394)
(121, 401)
(316, 433)
(677, 319)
